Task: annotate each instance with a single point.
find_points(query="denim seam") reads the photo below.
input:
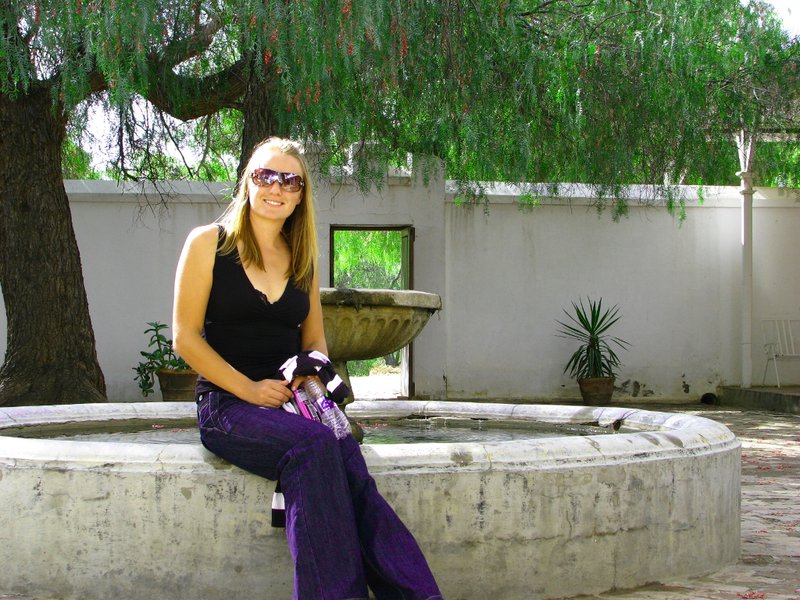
(364, 557)
(298, 498)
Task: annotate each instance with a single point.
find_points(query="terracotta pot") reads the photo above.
(596, 391)
(177, 386)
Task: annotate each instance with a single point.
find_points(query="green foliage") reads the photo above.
(595, 356)
(367, 259)
(528, 201)
(218, 139)
(161, 356)
(76, 163)
(607, 92)
(778, 165)
(362, 368)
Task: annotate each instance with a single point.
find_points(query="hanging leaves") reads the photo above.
(604, 91)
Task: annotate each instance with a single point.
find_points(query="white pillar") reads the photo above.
(746, 190)
(746, 146)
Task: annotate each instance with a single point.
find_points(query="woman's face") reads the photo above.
(270, 182)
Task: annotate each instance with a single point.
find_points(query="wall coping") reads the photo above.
(583, 195)
(200, 192)
(84, 190)
(179, 191)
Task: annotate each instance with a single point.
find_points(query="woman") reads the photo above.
(246, 300)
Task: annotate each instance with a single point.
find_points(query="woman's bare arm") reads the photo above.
(192, 290)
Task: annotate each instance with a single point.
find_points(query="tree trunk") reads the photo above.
(259, 110)
(51, 356)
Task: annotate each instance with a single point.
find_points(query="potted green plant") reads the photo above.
(594, 363)
(175, 377)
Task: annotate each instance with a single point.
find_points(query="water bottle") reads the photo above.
(329, 413)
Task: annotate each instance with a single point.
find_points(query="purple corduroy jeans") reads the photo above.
(342, 534)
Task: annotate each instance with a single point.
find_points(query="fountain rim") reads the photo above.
(663, 436)
(357, 297)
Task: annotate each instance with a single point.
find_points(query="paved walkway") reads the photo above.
(769, 566)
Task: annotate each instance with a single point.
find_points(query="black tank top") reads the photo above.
(252, 334)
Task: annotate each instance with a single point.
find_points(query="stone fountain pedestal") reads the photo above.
(363, 323)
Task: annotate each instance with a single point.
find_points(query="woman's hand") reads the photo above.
(298, 381)
(269, 392)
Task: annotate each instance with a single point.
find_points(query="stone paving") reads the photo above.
(769, 565)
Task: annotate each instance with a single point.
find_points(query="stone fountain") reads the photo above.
(361, 324)
(539, 518)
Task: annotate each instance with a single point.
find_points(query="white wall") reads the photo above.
(129, 253)
(510, 273)
(503, 277)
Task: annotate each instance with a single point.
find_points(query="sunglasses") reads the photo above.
(289, 182)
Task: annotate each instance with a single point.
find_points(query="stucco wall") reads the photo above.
(678, 287)
(504, 277)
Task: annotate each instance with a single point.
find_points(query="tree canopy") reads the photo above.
(607, 92)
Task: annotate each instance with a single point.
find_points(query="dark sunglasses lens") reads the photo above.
(290, 182)
(263, 177)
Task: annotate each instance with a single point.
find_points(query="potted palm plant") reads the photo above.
(176, 378)
(594, 363)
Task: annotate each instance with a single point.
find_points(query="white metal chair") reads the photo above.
(781, 341)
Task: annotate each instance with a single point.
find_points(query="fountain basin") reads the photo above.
(362, 323)
(542, 518)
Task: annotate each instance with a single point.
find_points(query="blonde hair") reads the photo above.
(299, 230)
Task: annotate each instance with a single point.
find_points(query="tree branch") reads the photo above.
(181, 50)
(186, 98)
(168, 129)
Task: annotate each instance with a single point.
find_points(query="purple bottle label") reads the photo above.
(325, 404)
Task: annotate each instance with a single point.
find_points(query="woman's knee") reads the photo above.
(318, 438)
(319, 447)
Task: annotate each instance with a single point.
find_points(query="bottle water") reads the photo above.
(329, 413)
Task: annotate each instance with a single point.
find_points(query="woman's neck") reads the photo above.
(268, 234)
